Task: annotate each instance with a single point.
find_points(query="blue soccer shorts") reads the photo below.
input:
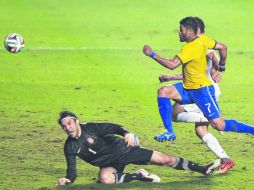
(203, 97)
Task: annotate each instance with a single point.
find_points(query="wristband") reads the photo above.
(152, 55)
(136, 141)
(222, 68)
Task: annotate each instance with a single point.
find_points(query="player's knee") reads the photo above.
(167, 160)
(201, 129)
(164, 91)
(107, 179)
(218, 128)
(218, 124)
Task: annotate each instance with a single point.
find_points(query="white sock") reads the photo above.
(191, 117)
(214, 145)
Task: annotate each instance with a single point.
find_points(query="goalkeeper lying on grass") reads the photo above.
(97, 144)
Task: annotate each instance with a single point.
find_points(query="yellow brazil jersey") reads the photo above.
(193, 57)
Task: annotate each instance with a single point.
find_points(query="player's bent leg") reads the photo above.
(165, 108)
(177, 109)
(107, 176)
(210, 140)
(214, 145)
(179, 163)
(231, 125)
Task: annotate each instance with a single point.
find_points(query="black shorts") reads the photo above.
(136, 155)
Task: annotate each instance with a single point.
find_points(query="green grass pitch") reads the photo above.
(86, 56)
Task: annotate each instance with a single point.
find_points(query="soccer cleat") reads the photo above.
(146, 176)
(211, 168)
(166, 136)
(226, 165)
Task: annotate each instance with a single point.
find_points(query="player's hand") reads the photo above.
(147, 50)
(62, 181)
(216, 76)
(165, 78)
(131, 139)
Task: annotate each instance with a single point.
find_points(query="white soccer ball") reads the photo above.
(14, 43)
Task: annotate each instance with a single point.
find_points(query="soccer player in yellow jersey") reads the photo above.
(196, 87)
(190, 113)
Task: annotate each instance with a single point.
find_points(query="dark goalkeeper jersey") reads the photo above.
(97, 145)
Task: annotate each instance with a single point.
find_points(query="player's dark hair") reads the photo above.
(190, 22)
(201, 24)
(65, 114)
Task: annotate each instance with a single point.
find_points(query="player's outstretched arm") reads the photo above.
(211, 54)
(165, 78)
(222, 48)
(168, 63)
(216, 76)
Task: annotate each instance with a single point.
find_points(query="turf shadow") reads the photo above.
(197, 183)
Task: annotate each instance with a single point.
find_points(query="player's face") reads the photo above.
(183, 34)
(71, 127)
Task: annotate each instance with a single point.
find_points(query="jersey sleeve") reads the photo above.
(210, 43)
(71, 172)
(110, 128)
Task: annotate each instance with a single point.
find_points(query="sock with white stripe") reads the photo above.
(183, 164)
(214, 145)
(126, 177)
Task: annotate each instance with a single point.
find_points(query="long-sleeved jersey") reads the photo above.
(97, 145)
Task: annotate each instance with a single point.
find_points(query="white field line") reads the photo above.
(112, 49)
(84, 49)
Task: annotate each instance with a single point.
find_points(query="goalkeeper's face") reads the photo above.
(71, 127)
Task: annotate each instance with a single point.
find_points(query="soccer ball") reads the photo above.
(14, 43)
